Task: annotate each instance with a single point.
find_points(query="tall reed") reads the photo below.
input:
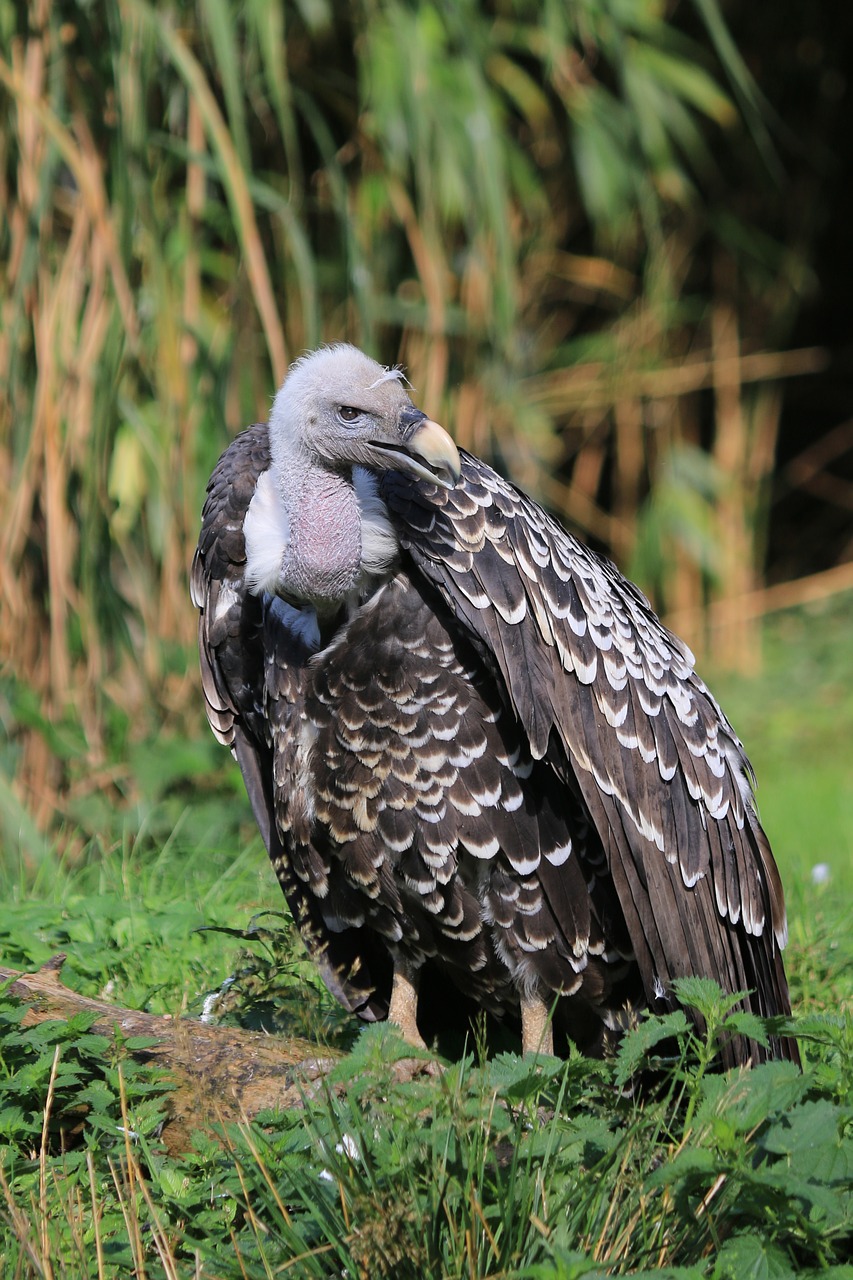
(504, 199)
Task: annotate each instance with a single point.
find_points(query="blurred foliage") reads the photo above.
(797, 722)
(528, 204)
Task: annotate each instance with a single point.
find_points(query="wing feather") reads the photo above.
(584, 662)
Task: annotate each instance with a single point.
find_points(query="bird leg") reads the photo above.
(537, 1035)
(403, 1009)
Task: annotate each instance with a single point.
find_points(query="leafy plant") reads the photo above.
(511, 1167)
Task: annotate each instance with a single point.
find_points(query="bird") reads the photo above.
(484, 770)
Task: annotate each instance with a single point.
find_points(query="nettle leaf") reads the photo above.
(94, 1046)
(42, 1034)
(518, 1079)
(751, 1258)
(821, 1027)
(11, 1015)
(33, 1076)
(79, 1023)
(591, 1137)
(15, 1122)
(67, 1074)
(133, 1043)
(825, 1205)
(146, 1116)
(374, 1052)
(569, 1266)
(706, 996)
(743, 1100)
(669, 1273)
(97, 1096)
(689, 1164)
(637, 1043)
(747, 1024)
(811, 1136)
(105, 1124)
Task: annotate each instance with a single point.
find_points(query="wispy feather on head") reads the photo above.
(394, 374)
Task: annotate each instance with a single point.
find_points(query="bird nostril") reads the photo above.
(410, 419)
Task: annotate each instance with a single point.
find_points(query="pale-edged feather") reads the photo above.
(657, 763)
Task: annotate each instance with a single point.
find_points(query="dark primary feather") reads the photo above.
(660, 769)
(497, 766)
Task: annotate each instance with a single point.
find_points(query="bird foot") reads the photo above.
(537, 1035)
(403, 1007)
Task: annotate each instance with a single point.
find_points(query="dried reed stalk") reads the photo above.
(738, 642)
(812, 589)
(593, 385)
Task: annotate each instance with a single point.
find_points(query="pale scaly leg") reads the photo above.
(537, 1035)
(403, 1009)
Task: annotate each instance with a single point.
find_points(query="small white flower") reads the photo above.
(347, 1145)
(821, 873)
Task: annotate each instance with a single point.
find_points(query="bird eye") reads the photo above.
(348, 414)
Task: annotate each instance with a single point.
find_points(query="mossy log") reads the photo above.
(220, 1074)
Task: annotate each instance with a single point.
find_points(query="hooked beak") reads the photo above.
(428, 453)
(430, 444)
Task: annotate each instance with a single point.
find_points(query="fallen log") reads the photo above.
(219, 1074)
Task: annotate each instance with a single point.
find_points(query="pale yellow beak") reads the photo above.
(431, 444)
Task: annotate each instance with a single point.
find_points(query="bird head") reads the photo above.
(343, 409)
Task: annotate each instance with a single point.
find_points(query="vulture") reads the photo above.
(486, 774)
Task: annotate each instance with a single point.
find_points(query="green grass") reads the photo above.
(497, 1169)
(502, 1168)
(796, 720)
(131, 925)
